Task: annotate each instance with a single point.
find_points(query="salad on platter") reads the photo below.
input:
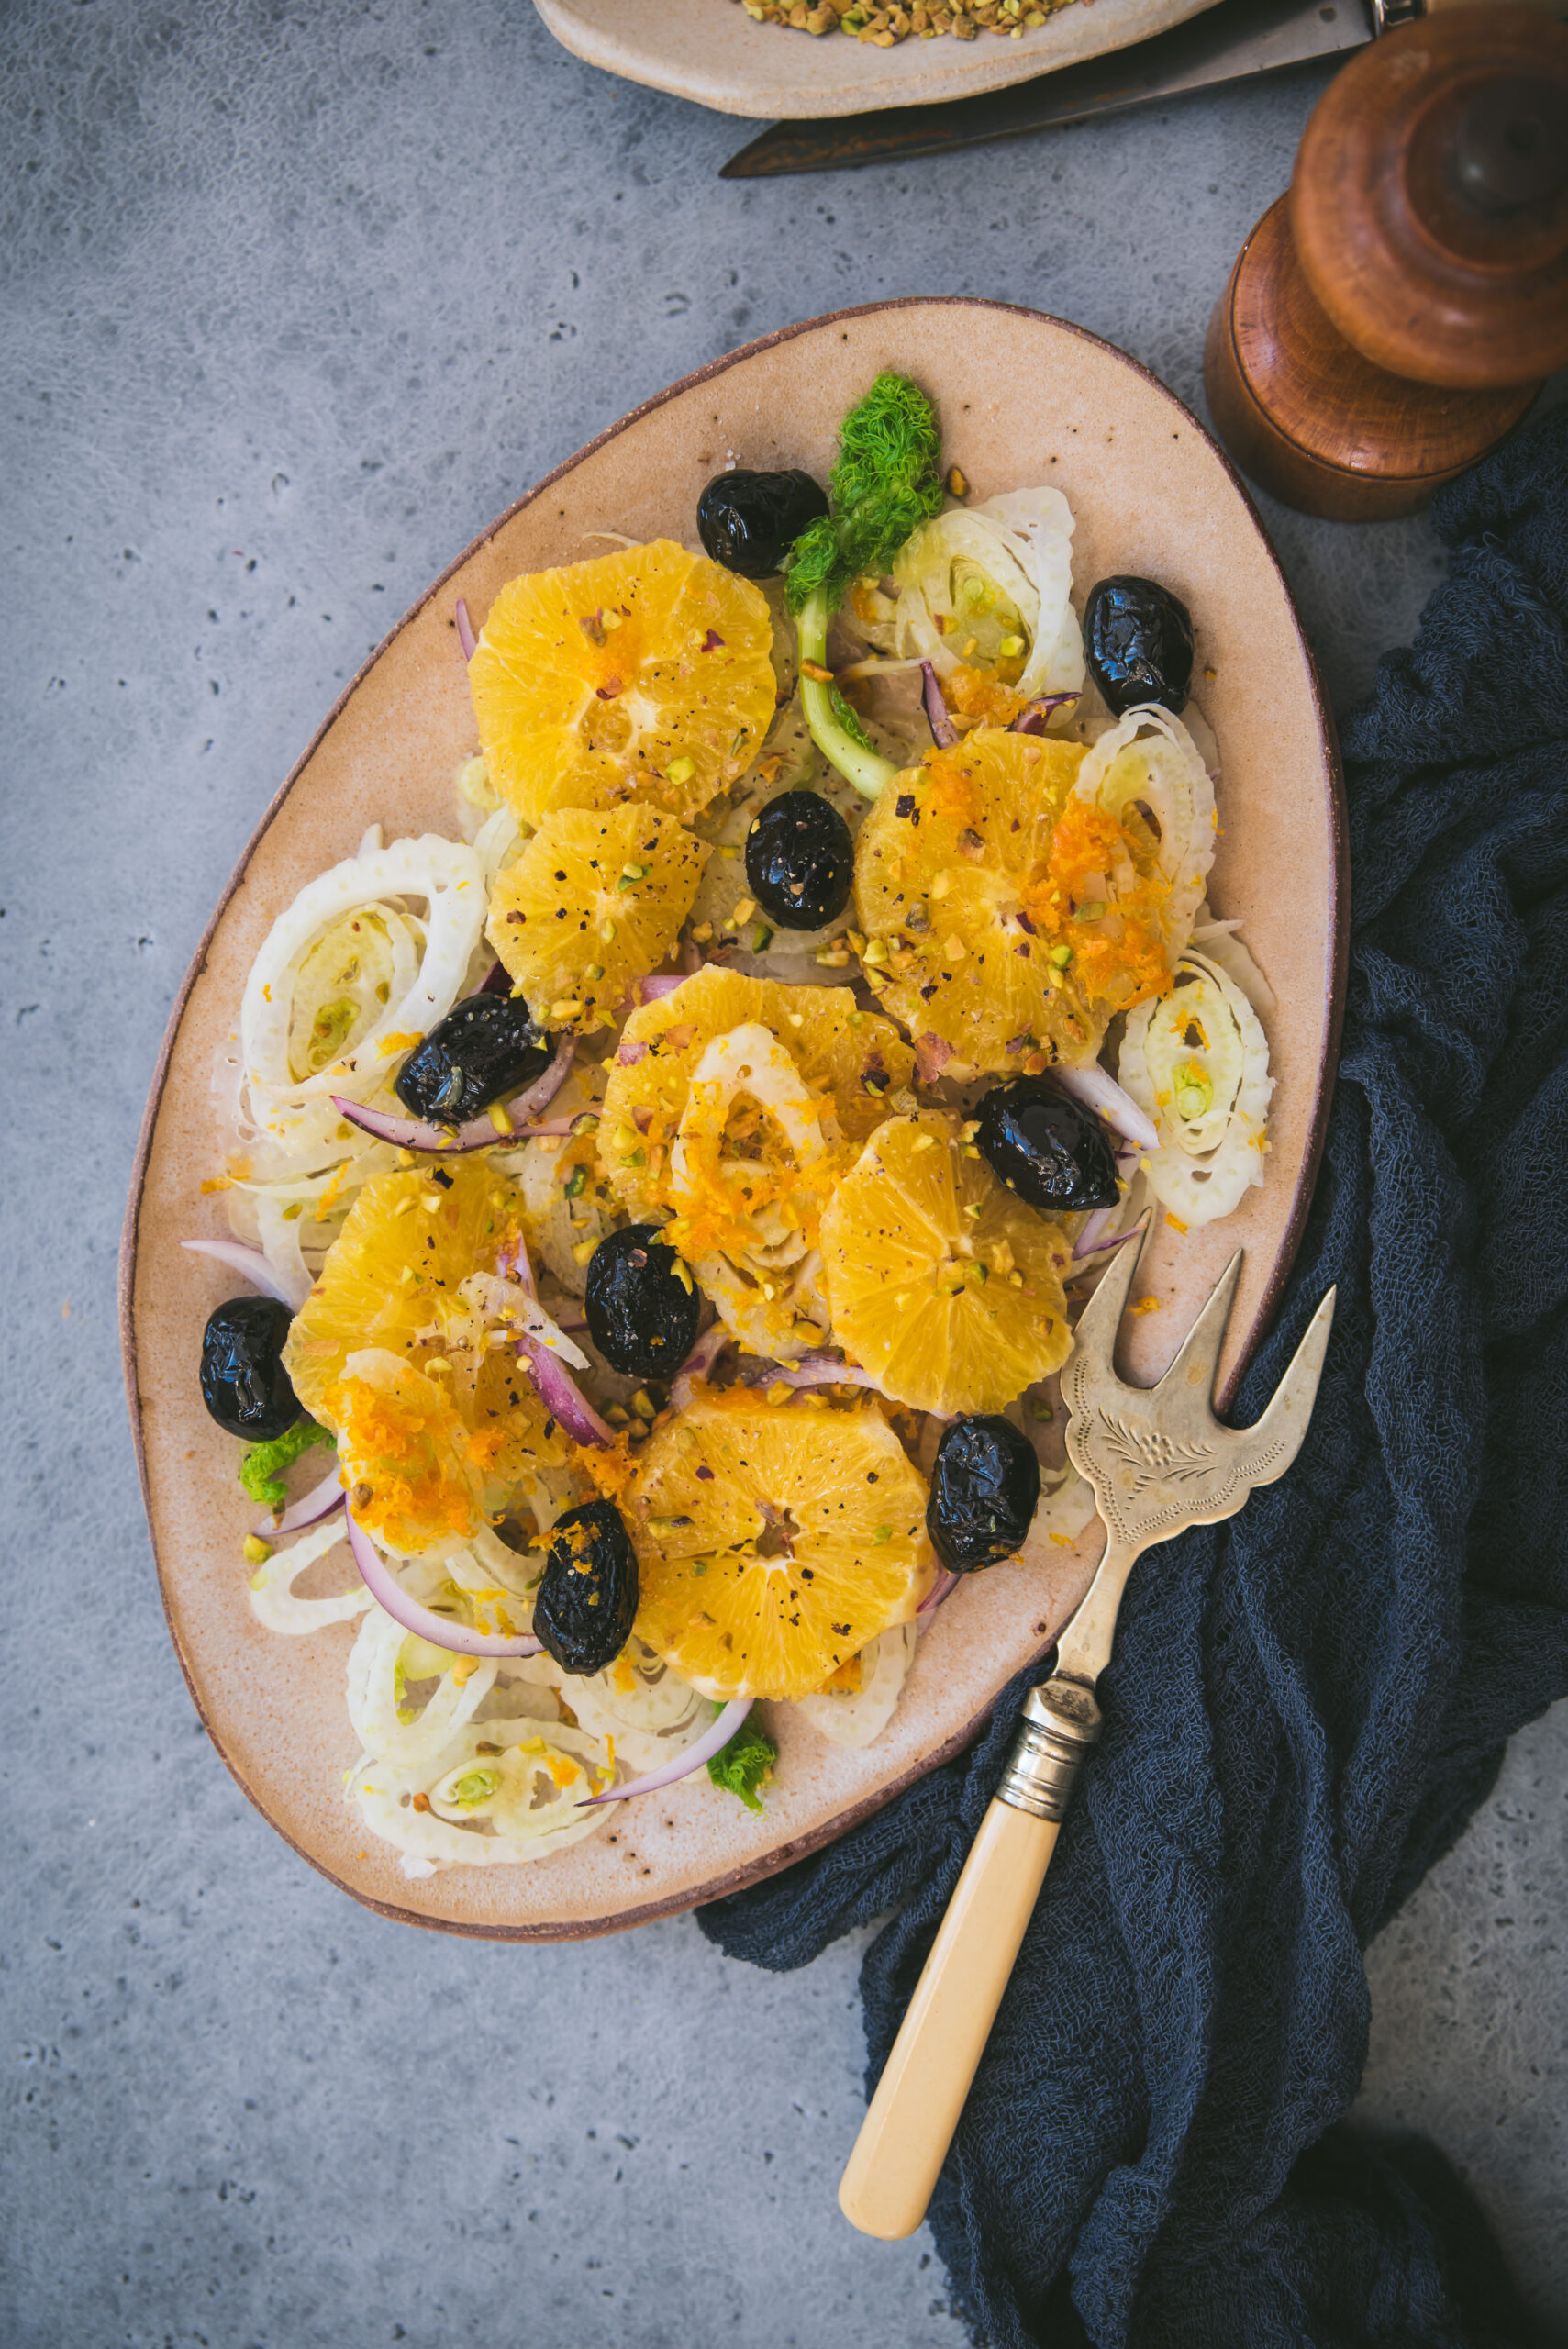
(666, 1201)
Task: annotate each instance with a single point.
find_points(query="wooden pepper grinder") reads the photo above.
(1392, 316)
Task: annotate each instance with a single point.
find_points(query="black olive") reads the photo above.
(244, 1384)
(1055, 1153)
(800, 860)
(984, 1490)
(486, 1045)
(641, 1315)
(749, 521)
(587, 1600)
(1138, 638)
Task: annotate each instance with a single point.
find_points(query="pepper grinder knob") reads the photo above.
(1390, 319)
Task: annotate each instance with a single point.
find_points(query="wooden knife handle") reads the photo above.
(905, 2137)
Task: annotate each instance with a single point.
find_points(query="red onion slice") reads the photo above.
(389, 1595)
(665, 984)
(816, 1370)
(698, 1362)
(310, 1509)
(1097, 1089)
(562, 1398)
(248, 1261)
(1087, 1240)
(944, 733)
(712, 1742)
(943, 1587)
(479, 1133)
(1031, 719)
(464, 630)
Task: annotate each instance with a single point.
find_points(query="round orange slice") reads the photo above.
(774, 1541)
(644, 673)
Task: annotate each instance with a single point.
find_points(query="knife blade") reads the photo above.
(1227, 43)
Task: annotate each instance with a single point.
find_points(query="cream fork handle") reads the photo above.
(905, 2136)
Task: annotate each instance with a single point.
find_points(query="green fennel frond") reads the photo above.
(745, 1764)
(886, 482)
(261, 1470)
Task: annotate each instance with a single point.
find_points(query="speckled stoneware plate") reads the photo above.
(1022, 398)
(711, 51)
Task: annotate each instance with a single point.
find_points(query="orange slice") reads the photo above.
(773, 1541)
(940, 1282)
(643, 672)
(438, 1429)
(1004, 917)
(594, 901)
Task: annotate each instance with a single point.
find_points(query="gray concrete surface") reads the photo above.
(297, 298)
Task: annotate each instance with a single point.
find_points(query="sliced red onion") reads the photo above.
(814, 1369)
(561, 1396)
(665, 984)
(943, 1587)
(712, 1740)
(697, 1364)
(1031, 719)
(1097, 1089)
(944, 733)
(524, 1270)
(248, 1261)
(479, 1133)
(389, 1594)
(1102, 1247)
(464, 630)
(1088, 1239)
(497, 980)
(310, 1509)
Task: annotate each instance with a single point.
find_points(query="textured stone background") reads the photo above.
(298, 297)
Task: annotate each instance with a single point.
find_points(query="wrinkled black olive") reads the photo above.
(487, 1046)
(641, 1315)
(984, 1490)
(1138, 638)
(800, 860)
(587, 1599)
(749, 521)
(244, 1384)
(1055, 1153)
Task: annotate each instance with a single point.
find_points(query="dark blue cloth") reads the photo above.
(1306, 1704)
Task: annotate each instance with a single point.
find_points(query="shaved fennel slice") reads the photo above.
(1149, 761)
(272, 1585)
(1222, 943)
(1197, 1060)
(377, 1678)
(448, 878)
(652, 1714)
(482, 1810)
(984, 572)
(749, 1060)
(859, 1716)
(498, 843)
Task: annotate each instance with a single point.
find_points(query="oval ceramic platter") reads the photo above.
(1021, 399)
(712, 52)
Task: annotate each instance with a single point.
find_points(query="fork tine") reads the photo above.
(1197, 1357)
(1273, 1443)
(1095, 1339)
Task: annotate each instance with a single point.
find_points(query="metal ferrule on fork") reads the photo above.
(1060, 1722)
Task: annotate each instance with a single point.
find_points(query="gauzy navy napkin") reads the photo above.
(1305, 1704)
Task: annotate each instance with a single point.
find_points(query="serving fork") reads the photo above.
(1158, 1460)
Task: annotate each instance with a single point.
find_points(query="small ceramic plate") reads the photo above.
(1021, 399)
(711, 51)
